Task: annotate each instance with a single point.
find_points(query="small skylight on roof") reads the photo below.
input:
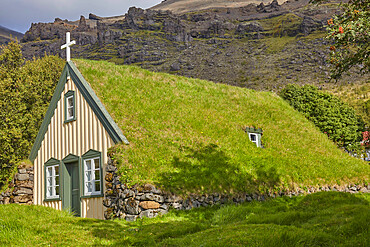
(255, 135)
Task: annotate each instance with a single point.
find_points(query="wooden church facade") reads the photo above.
(70, 151)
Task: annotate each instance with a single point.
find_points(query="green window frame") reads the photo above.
(92, 174)
(52, 180)
(69, 107)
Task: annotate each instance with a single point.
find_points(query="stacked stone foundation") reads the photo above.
(149, 201)
(20, 189)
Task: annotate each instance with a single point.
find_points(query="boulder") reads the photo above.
(111, 168)
(21, 191)
(152, 197)
(126, 193)
(22, 177)
(151, 188)
(132, 206)
(149, 205)
(109, 177)
(6, 200)
(22, 170)
(25, 184)
(151, 213)
(177, 205)
(22, 199)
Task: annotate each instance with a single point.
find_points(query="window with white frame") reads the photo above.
(255, 135)
(70, 107)
(254, 138)
(92, 176)
(52, 182)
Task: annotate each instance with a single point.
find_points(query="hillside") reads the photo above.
(187, 135)
(183, 6)
(262, 47)
(322, 219)
(7, 35)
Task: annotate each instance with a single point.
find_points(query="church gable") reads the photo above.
(72, 84)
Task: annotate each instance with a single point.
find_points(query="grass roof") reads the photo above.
(187, 135)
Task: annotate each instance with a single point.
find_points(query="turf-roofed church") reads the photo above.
(70, 151)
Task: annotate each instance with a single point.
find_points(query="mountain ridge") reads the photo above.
(7, 35)
(183, 6)
(262, 47)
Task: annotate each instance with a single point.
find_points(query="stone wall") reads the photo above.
(21, 187)
(149, 201)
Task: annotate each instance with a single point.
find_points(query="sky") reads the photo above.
(19, 14)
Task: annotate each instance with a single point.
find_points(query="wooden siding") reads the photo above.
(76, 137)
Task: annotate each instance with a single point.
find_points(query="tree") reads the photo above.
(332, 116)
(350, 32)
(25, 92)
(366, 139)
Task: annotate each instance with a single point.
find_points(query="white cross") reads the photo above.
(68, 44)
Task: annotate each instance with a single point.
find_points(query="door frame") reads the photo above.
(65, 181)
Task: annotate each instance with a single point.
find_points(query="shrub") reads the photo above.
(332, 116)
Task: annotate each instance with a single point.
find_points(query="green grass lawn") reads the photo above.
(321, 219)
(186, 135)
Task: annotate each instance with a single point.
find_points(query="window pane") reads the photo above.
(97, 175)
(56, 170)
(49, 192)
(49, 172)
(96, 161)
(97, 186)
(57, 190)
(253, 138)
(88, 187)
(70, 112)
(70, 102)
(57, 180)
(88, 176)
(49, 183)
(88, 165)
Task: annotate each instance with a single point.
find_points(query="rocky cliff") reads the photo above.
(261, 46)
(183, 6)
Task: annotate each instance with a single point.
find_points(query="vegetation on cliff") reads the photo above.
(25, 92)
(187, 135)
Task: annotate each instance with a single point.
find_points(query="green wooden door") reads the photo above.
(72, 189)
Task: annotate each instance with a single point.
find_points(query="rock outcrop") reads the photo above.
(226, 45)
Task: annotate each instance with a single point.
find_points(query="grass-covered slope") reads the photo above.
(187, 135)
(321, 219)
